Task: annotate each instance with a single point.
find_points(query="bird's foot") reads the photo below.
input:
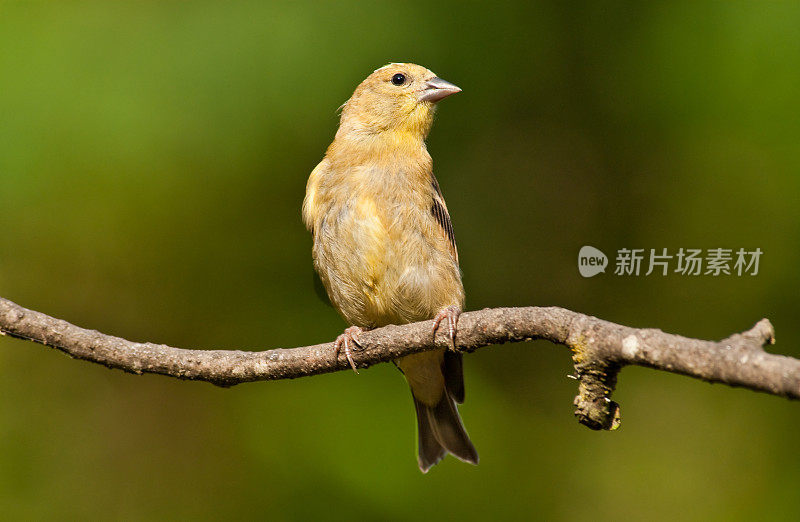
(349, 336)
(450, 313)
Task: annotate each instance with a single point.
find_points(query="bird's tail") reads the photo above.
(440, 427)
(440, 431)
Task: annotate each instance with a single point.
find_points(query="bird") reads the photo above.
(383, 242)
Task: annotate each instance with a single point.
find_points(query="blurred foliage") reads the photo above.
(153, 158)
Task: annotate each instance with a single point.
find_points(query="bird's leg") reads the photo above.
(450, 313)
(350, 335)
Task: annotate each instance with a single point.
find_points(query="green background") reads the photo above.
(153, 159)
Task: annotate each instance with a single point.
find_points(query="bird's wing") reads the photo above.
(442, 217)
(310, 203)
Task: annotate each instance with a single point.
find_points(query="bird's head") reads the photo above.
(397, 97)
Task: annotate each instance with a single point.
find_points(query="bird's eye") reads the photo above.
(399, 79)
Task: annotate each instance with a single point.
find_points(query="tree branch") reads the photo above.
(600, 349)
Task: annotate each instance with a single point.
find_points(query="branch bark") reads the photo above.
(600, 349)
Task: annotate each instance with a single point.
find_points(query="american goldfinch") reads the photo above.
(384, 246)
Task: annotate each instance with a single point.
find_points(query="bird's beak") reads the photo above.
(437, 89)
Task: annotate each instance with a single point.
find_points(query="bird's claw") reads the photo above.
(350, 335)
(450, 313)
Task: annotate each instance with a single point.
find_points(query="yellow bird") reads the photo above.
(383, 242)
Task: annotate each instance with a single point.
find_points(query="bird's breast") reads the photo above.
(377, 254)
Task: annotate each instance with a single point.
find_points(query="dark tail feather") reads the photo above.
(430, 451)
(440, 431)
(453, 370)
(450, 432)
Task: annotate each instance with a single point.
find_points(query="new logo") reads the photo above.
(591, 261)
